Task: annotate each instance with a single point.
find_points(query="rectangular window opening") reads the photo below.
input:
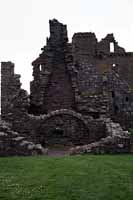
(111, 47)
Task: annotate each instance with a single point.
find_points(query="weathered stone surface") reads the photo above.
(12, 144)
(131, 143)
(81, 93)
(117, 141)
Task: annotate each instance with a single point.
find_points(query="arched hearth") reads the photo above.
(62, 127)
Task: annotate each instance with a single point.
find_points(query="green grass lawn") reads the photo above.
(94, 177)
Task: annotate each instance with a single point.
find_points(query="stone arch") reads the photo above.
(65, 127)
(67, 112)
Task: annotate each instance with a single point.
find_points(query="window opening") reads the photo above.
(111, 47)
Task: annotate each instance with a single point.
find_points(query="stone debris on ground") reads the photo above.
(11, 143)
(117, 141)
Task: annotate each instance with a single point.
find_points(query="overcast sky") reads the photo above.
(24, 26)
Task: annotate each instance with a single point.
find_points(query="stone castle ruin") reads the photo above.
(81, 95)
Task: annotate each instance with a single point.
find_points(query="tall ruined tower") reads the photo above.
(51, 88)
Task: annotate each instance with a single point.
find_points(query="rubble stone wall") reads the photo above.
(74, 85)
(59, 94)
(67, 127)
(10, 85)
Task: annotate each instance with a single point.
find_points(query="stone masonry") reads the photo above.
(76, 86)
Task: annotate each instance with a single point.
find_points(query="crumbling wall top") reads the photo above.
(84, 43)
(58, 33)
(7, 68)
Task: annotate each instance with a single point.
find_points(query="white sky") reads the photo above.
(24, 26)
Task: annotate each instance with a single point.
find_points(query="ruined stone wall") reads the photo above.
(122, 63)
(103, 74)
(74, 76)
(59, 92)
(51, 88)
(63, 129)
(66, 127)
(84, 47)
(84, 44)
(118, 85)
(10, 86)
(14, 100)
(83, 77)
(109, 45)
